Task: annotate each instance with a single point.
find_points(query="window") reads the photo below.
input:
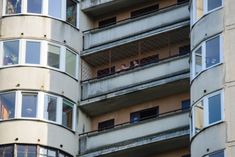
(34, 6)
(208, 111)
(11, 52)
(54, 8)
(212, 51)
(106, 71)
(71, 12)
(144, 11)
(213, 4)
(214, 108)
(65, 10)
(183, 50)
(185, 104)
(53, 58)
(70, 63)
(199, 116)
(198, 61)
(6, 151)
(7, 106)
(207, 55)
(108, 124)
(30, 151)
(29, 105)
(26, 151)
(182, 1)
(144, 114)
(50, 108)
(149, 60)
(45, 152)
(217, 154)
(67, 114)
(107, 22)
(203, 7)
(32, 52)
(13, 6)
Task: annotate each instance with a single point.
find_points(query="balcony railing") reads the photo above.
(120, 133)
(131, 77)
(135, 26)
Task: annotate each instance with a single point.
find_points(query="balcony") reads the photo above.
(149, 133)
(165, 77)
(133, 29)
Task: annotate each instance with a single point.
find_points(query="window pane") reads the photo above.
(26, 151)
(70, 63)
(6, 151)
(212, 4)
(71, 12)
(51, 153)
(7, 106)
(34, 6)
(54, 8)
(32, 52)
(199, 9)
(212, 52)
(29, 105)
(198, 61)
(199, 118)
(67, 114)
(50, 108)
(214, 108)
(11, 52)
(53, 59)
(218, 154)
(13, 6)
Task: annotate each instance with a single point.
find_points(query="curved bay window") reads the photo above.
(25, 150)
(66, 10)
(31, 105)
(31, 51)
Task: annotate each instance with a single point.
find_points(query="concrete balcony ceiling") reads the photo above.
(100, 7)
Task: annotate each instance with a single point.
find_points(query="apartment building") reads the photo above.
(117, 78)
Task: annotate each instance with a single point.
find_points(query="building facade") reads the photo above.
(111, 78)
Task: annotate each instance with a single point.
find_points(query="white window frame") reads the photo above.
(41, 100)
(206, 111)
(203, 47)
(43, 56)
(45, 10)
(205, 10)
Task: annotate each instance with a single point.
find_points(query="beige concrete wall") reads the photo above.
(39, 79)
(165, 104)
(36, 132)
(125, 13)
(174, 153)
(38, 27)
